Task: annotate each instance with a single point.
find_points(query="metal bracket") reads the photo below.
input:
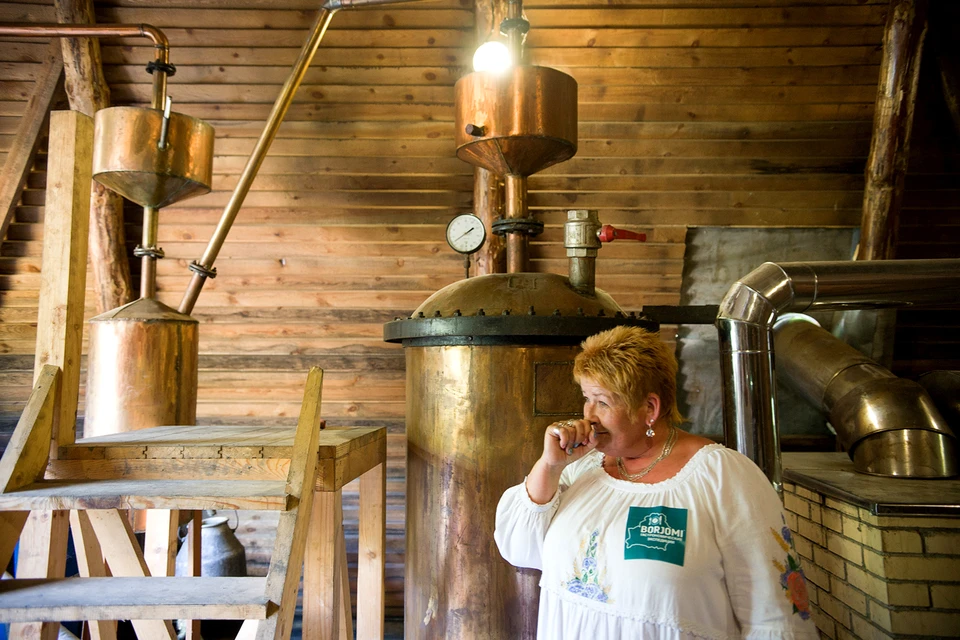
(149, 252)
(199, 269)
(526, 226)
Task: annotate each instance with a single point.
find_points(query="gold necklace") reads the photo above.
(667, 448)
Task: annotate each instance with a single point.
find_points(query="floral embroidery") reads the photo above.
(586, 578)
(792, 580)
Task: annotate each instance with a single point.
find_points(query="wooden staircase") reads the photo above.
(283, 481)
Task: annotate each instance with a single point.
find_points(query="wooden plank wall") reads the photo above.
(692, 112)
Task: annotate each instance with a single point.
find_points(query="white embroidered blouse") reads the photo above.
(705, 554)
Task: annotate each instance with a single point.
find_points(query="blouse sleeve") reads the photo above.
(767, 587)
(522, 524)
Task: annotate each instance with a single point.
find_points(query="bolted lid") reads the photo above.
(516, 308)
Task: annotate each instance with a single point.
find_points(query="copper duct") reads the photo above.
(890, 426)
(750, 307)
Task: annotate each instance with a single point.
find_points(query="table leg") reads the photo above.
(321, 591)
(371, 552)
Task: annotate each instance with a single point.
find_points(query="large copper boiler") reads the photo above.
(489, 366)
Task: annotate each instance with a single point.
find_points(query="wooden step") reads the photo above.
(134, 599)
(150, 494)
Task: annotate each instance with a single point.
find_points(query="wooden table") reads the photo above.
(167, 453)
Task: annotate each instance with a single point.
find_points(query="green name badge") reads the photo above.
(656, 533)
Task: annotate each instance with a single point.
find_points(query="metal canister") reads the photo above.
(142, 369)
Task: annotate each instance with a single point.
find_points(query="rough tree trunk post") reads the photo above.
(487, 186)
(88, 92)
(892, 123)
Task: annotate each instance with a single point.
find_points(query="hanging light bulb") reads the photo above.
(492, 56)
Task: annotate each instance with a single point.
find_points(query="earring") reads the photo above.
(650, 431)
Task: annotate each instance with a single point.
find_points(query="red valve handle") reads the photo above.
(609, 233)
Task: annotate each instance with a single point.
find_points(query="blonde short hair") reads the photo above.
(631, 363)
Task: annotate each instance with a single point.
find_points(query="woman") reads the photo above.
(645, 531)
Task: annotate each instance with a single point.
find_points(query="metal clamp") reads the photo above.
(200, 270)
(149, 252)
(525, 226)
(164, 67)
(514, 24)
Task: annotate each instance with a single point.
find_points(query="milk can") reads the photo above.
(220, 552)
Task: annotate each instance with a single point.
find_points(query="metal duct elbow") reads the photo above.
(888, 425)
(745, 322)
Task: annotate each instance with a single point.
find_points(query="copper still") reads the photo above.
(489, 365)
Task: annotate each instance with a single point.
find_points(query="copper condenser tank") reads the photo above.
(142, 369)
(152, 157)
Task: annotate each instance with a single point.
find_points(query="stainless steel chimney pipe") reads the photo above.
(750, 307)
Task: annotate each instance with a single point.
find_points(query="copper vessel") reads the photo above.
(128, 156)
(516, 124)
(524, 120)
(142, 369)
(489, 366)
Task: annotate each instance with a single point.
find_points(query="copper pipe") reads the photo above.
(204, 267)
(148, 263)
(515, 36)
(518, 244)
(334, 5)
(250, 171)
(158, 38)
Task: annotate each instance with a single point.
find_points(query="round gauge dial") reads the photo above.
(465, 233)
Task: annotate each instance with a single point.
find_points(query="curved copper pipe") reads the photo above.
(48, 30)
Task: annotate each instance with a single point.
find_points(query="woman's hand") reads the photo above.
(563, 442)
(567, 441)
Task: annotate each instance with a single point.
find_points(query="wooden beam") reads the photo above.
(42, 554)
(22, 152)
(90, 565)
(488, 206)
(88, 92)
(892, 123)
(372, 543)
(64, 268)
(124, 558)
(25, 458)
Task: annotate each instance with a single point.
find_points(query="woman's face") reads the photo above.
(618, 433)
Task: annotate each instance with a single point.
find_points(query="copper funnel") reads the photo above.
(516, 123)
(129, 159)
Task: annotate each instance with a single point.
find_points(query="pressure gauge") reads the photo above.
(465, 233)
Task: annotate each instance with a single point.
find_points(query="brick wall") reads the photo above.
(876, 577)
